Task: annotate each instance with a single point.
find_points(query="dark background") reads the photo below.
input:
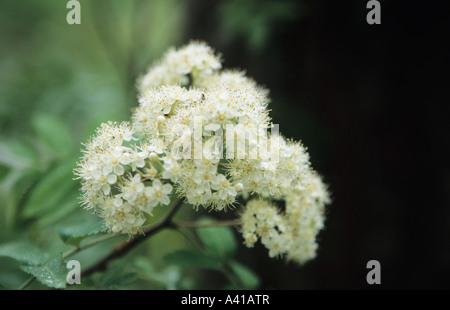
(371, 104)
(369, 101)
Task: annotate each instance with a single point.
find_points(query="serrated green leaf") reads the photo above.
(74, 234)
(50, 190)
(52, 273)
(192, 258)
(120, 280)
(219, 241)
(246, 276)
(53, 132)
(23, 252)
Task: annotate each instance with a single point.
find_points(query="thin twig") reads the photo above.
(124, 247)
(27, 282)
(235, 222)
(87, 245)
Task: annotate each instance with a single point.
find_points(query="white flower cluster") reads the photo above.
(200, 133)
(195, 61)
(114, 178)
(293, 232)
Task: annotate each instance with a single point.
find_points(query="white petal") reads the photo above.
(128, 136)
(112, 178)
(140, 187)
(106, 189)
(107, 169)
(232, 191)
(143, 154)
(167, 188)
(126, 208)
(157, 183)
(140, 163)
(117, 202)
(165, 200)
(136, 178)
(130, 219)
(125, 159)
(118, 169)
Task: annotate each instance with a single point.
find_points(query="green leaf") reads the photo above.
(74, 234)
(48, 193)
(120, 280)
(53, 273)
(164, 278)
(246, 276)
(192, 258)
(23, 252)
(115, 278)
(53, 132)
(17, 154)
(219, 241)
(67, 205)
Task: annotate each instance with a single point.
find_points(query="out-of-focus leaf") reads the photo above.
(3, 172)
(122, 279)
(191, 258)
(50, 190)
(23, 252)
(167, 278)
(53, 132)
(52, 273)
(256, 20)
(115, 278)
(219, 241)
(247, 277)
(67, 205)
(73, 234)
(17, 154)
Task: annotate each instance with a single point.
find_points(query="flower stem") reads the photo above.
(27, 282)
(235, 222)
(124, 247)
(119, 249)
(87, 245)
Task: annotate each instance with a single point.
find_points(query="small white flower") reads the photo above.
(132, 188)
(172, 169)
(114, 161)
(159, 193)
(223, 187)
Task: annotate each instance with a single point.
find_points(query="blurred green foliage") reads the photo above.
(254, 21)
(58, 82)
